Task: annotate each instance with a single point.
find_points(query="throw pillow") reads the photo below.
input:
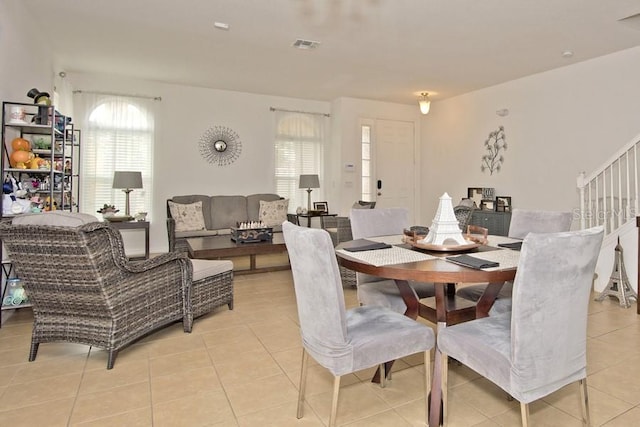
(188, 217)
(273, 213)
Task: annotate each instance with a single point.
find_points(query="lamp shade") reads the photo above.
(309, 181)
(127, 179)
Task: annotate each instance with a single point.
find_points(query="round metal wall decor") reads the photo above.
(220, 145)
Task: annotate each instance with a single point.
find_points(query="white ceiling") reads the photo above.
(388, 50)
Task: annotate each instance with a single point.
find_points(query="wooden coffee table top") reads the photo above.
(217, 246)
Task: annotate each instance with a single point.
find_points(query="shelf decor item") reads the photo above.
(220, 145)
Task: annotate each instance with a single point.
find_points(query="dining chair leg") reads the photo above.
(427, 382)
(584, 402)
(303, 382)
(383, 375)
(444, 387)
(334, 402)
(524, 411)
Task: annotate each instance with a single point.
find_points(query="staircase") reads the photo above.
(609, 197)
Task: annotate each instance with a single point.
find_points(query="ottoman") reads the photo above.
(212, 285)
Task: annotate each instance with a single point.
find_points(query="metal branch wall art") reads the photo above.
(495, 144)
(220, 145)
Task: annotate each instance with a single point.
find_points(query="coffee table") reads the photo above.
(216, 247)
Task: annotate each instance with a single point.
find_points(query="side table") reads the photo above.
(135, 225)
(314, 215)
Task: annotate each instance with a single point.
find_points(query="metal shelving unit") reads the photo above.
(56, 181)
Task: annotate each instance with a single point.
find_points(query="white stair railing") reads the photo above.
(609, 195)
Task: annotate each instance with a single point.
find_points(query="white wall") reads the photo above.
(346, 114)
(185, 113)
(561, 122)
(26, 62)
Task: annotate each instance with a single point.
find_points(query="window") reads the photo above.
(365, 141)
(299, 149)
(118, 135)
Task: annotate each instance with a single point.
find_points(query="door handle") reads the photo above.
(379, 184)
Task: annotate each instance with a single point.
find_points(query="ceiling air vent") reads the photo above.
(305, 44)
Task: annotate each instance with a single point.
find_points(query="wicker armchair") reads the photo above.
(84, 290)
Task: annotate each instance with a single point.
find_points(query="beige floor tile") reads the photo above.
(121, 375)
(483, 396)
(247, 366)
(114, 401)
(131, 353)
(387, 418)
(40, 391)
(628, 419)
(200, 409)
(50, 414)
(355, 402)
(185, 378)
(413, 412)
(45, 369)
(261, 394)
(406, 385)
(180, 362)
(178, 344)
(136, 418)
(540, 414)
(186, 383)
(281, 416)
(602, 407)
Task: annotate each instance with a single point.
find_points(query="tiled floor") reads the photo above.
(241, 368)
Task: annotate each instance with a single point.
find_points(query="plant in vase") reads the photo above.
(108, 210)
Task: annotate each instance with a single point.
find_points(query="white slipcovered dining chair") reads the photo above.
(373, 290)
(344, 341)
(522, 223)
(541, 345)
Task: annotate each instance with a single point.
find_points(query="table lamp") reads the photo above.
(309, 182)
(127, 181)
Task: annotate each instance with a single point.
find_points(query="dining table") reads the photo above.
(404, 262)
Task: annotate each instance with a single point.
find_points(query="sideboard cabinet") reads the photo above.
(496, 222)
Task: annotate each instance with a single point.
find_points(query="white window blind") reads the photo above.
(299, 149)
(118, 135)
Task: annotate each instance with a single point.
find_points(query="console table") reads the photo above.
(320, 215)
(496, 222)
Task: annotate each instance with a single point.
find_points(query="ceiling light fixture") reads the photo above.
(425, 103)
(221, 26)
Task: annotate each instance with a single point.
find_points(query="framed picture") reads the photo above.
(487, 205)
(475, 194)
(321, 206)
(503, 204)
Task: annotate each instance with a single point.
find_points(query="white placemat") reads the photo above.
(393, 255)
(505, 257)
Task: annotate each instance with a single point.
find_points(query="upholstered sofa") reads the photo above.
(198, 215)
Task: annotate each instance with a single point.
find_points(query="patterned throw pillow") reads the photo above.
(273, 213)
(188, 217)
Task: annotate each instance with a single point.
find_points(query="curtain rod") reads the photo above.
(299, 111)
(131, 95)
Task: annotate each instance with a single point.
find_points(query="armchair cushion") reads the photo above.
(57, 218)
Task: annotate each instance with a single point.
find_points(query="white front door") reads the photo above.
(394, 174)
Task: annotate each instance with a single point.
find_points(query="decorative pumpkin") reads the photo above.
(20, 156)
(20, 144)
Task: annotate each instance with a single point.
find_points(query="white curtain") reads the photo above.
(299, 147)
(117, 134)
